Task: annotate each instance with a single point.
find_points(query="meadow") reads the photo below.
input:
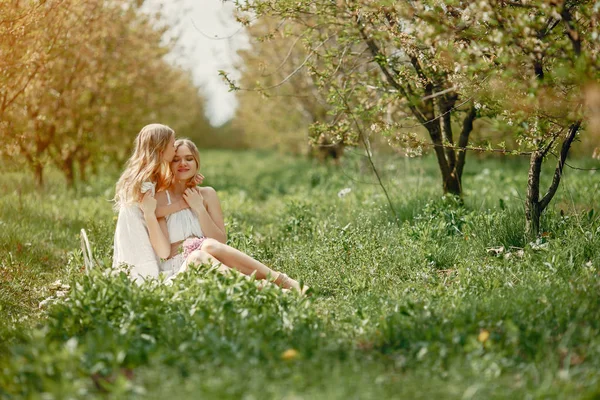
(448, 300)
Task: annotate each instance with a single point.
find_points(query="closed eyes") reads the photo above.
(189, 159)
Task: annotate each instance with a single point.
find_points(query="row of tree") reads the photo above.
(395, 69)
(78, 79)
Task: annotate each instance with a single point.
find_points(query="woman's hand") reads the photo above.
(194, 199)
(198, 179)
(148, 203)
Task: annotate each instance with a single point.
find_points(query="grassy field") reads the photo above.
(451, 301)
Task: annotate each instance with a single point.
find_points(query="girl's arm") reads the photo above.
(160, 242)
(205, 203)
(163, 211)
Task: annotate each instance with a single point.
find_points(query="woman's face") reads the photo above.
(184, 166)
(169, 152)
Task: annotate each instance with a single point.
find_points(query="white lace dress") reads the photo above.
(181, 225)
(132, 244)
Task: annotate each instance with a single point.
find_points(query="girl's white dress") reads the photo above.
(132, 245)
(181, 225)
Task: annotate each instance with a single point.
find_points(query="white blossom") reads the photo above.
(344, 192)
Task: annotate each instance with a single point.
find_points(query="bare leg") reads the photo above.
(202, 257)
(246, 264)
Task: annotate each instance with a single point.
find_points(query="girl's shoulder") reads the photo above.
(148, 186)
(161, 198)
(207, 191)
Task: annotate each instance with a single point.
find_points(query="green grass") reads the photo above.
(419, 309)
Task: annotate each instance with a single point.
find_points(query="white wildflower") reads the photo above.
(344, 192)
(71, 345)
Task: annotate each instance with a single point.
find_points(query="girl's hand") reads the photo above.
(194, 199)
(148, 205)
(198, 179)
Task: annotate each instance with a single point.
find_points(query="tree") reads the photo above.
(378, 69)
(82, 74)
(528, 64)
(540, 60)
(280, 102)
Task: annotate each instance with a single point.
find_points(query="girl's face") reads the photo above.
(184, 166)
(169, 152)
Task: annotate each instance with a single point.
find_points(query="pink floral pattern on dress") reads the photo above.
(191, 244)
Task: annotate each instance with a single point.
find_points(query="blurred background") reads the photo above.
(80, 78)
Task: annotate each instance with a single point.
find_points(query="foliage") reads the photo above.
(109, 324)
(77, 76)
(272, 114)
(540, 60)
(380, 76)
(455, 302)
(387, 69)
(530, 67)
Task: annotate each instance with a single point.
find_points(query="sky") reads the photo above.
(209, 40)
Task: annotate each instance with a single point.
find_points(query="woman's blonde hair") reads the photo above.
(145, 164)
(195, 153)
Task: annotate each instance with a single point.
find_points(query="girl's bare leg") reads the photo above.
(202, 257)
(246, 264)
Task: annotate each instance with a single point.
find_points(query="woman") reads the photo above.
(195, 212)
(154, 149)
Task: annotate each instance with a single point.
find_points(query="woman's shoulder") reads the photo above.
(207, 191)
(161, 198)
(130, 210)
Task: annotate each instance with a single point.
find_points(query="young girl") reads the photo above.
(146, 172)
(195, 221)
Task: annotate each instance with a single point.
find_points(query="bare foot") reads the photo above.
(286, 282)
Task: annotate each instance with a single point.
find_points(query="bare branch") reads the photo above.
(287, 56)
(215, 37)
(463, 140)
(560, 165)
(552, 140)
(368, 151)
(377, 53)
(571, 30)
(287, 78)
(517, 4)
(440, 93)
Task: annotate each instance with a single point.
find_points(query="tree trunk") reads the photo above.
(38, 173)
(82, 168)
(463, 140)
(70, 176)
(446, 105)
(68, 169)
(534, 207)
(533, 214)
(450, 183)
(564, 152)
(533, 210)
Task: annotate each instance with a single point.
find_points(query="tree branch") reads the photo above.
(446, 103)
(388, 75)
(573, 129)
(370, 158)
(463, 140)
(571, 31)
(517, 4)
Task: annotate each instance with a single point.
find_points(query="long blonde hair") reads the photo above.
(195, 153)
(145, 165)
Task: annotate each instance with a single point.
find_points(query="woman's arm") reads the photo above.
(160, 243)
(163, 211)
(207, 207)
